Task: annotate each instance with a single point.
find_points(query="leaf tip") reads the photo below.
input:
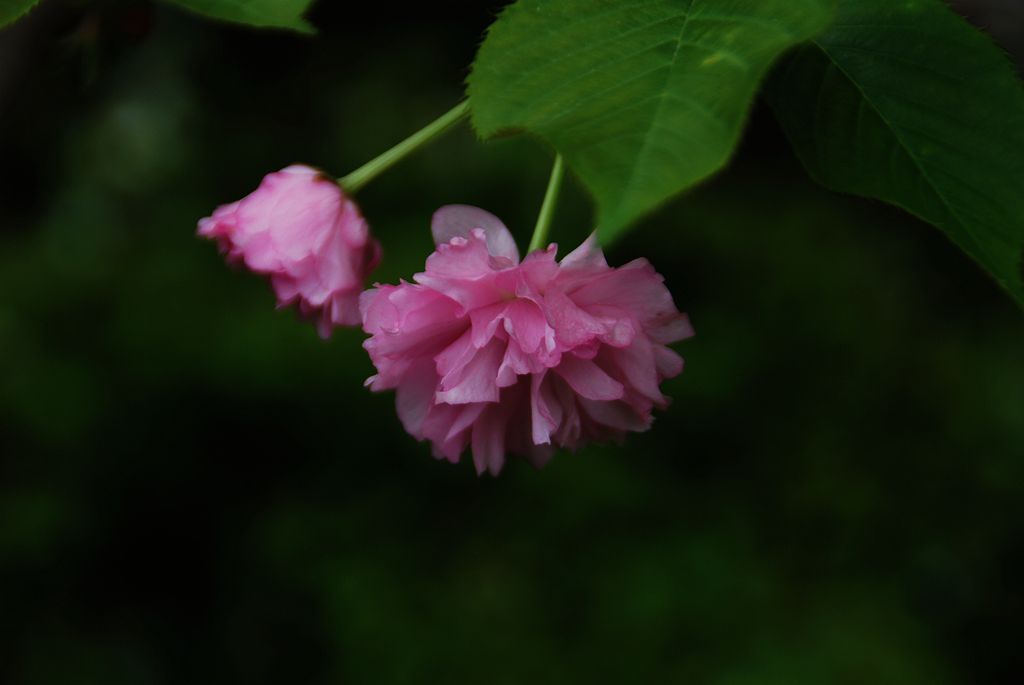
(14, 11)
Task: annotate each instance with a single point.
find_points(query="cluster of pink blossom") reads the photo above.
(483, 350)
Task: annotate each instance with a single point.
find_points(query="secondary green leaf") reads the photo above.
(10, 10)
(643, 99)
(282, 14)
(905, 102)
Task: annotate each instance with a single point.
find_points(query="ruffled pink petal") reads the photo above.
(448, 428)
(587, 379)
(637, 369)
(414, 398)
(476, 380)
(489, 442)
(570, 432)
(546, 412)
(668, 362)
(464, 271)
(453, 221)
(535, 274)
(588, 257)
(406, 323)
(526, 325)
(572, 325)
(451, 361)
(619, 417)
(638, 291)
(518, 363)
(484, 321)
(464, 420)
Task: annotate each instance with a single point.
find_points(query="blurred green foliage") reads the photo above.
(196, 489)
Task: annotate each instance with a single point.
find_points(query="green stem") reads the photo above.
(547, 210)
(378, 165)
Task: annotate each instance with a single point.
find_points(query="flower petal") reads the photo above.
(587, 255)
(453, 221)
(476, 381)
(588, 379)
(618, 416)
(414, 398)
(463, 270)
(546, 412)
(489, 440)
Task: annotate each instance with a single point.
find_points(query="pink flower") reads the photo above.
(300, 229)
(520, 357)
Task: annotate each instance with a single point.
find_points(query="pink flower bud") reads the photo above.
(299, 229)
(516, 357)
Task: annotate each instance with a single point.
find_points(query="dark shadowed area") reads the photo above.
(194, 488)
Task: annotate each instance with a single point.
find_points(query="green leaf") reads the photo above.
(643, 99)
(281, 14)
(11, 10)
(905, 102)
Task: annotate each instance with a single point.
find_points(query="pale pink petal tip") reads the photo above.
(299, 229)
(507, 357)
(459, 221)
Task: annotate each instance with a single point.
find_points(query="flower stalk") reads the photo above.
(547, 210)
(354, 181)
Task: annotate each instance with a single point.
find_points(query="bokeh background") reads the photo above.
(194, 488)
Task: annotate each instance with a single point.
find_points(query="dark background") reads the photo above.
(194, 488)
